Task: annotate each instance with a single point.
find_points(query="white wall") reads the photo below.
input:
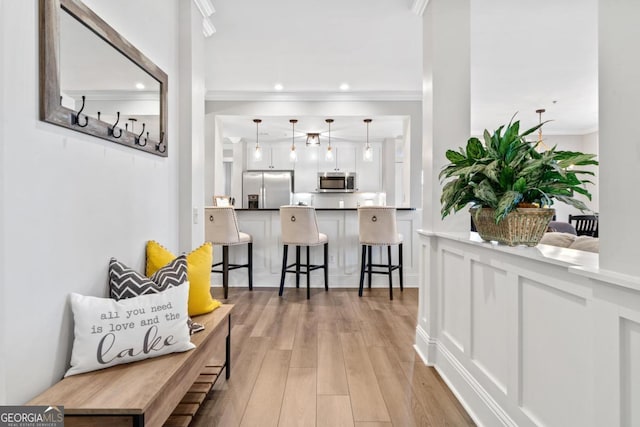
(71, 201)
(3, 318)
(413, 109)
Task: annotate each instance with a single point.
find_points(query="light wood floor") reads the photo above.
(335, 360)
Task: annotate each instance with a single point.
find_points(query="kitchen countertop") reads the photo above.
(320, 209)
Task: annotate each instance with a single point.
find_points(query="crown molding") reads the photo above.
(213, 95)
(418, 6)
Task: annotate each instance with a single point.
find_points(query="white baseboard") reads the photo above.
(480, 405)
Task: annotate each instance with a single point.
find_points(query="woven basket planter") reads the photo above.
(523, 226)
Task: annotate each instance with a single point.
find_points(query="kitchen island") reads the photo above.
(341, 226)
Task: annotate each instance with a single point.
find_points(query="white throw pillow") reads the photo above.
(586, 243)
(109, 332)
(554, 238)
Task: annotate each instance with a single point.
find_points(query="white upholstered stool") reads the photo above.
(300, 228)
(377, 227)
(221, 228)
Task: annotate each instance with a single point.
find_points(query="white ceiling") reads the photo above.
(525, 55)
(344, 128)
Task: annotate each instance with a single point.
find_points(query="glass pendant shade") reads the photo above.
(293, 156)
(329, 154)
(367, 155)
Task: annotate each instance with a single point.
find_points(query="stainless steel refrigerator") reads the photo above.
(266, 189)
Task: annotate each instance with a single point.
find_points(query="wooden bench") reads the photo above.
(146, 393)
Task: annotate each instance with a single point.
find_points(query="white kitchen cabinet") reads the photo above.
(344, 159)
(306, 169)
(369, 174)
(274, 157)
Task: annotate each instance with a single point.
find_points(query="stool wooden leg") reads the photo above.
(369, 268)
(308, 274)
(390, 272)
(250, 265)
(326, 266)
(297, 266)
(400, 264)
(284, 268)
(225, 270)
(362, 266)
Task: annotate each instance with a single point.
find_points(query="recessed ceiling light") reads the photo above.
(278, 86)
(344, 86)
(139, 86)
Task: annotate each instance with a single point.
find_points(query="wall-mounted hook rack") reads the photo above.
(75, 118)
(161, 143)
(112, 129)
(139, 137)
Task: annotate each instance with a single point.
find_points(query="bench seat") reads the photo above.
(143, 393)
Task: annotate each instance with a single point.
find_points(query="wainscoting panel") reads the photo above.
(489, 344)
(630, 372)
(455, 298)
(550, 320)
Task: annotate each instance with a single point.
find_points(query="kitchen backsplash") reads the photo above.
(339, 200)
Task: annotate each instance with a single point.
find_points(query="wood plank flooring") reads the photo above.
(334, 360)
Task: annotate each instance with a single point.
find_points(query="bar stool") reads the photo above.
(377, 227)
(300, 228)
(221, 228)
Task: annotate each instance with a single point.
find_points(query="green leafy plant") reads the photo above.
(506, 172)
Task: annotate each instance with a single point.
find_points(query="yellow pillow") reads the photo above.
(198, 273)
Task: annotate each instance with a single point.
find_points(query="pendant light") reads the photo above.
(257, 154)
(540, 145)
(313, 139)
(368, 152)
(293, 156)
(329, 154)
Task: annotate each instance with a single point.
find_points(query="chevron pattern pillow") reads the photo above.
(124, 282)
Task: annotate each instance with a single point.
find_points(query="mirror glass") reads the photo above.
(110, 81)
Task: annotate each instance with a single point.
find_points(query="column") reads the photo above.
(619, 95)
(447, 101)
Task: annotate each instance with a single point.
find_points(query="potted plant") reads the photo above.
(511, 185)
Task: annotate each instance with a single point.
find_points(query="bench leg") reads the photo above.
(138, 420)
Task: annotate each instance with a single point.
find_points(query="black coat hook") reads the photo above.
(75, 118)
(161, 143)
(139, 137)
(98, 115)
(112, 129)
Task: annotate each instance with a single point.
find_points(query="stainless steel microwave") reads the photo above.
(338, 182)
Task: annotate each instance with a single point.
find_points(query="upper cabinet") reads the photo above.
(369, 174)
(306, 169)
(344, 159)
(274, 157)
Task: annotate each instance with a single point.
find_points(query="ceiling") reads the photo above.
(344, 128)
(525, 56)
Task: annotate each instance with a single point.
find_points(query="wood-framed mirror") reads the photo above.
(92, 80)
